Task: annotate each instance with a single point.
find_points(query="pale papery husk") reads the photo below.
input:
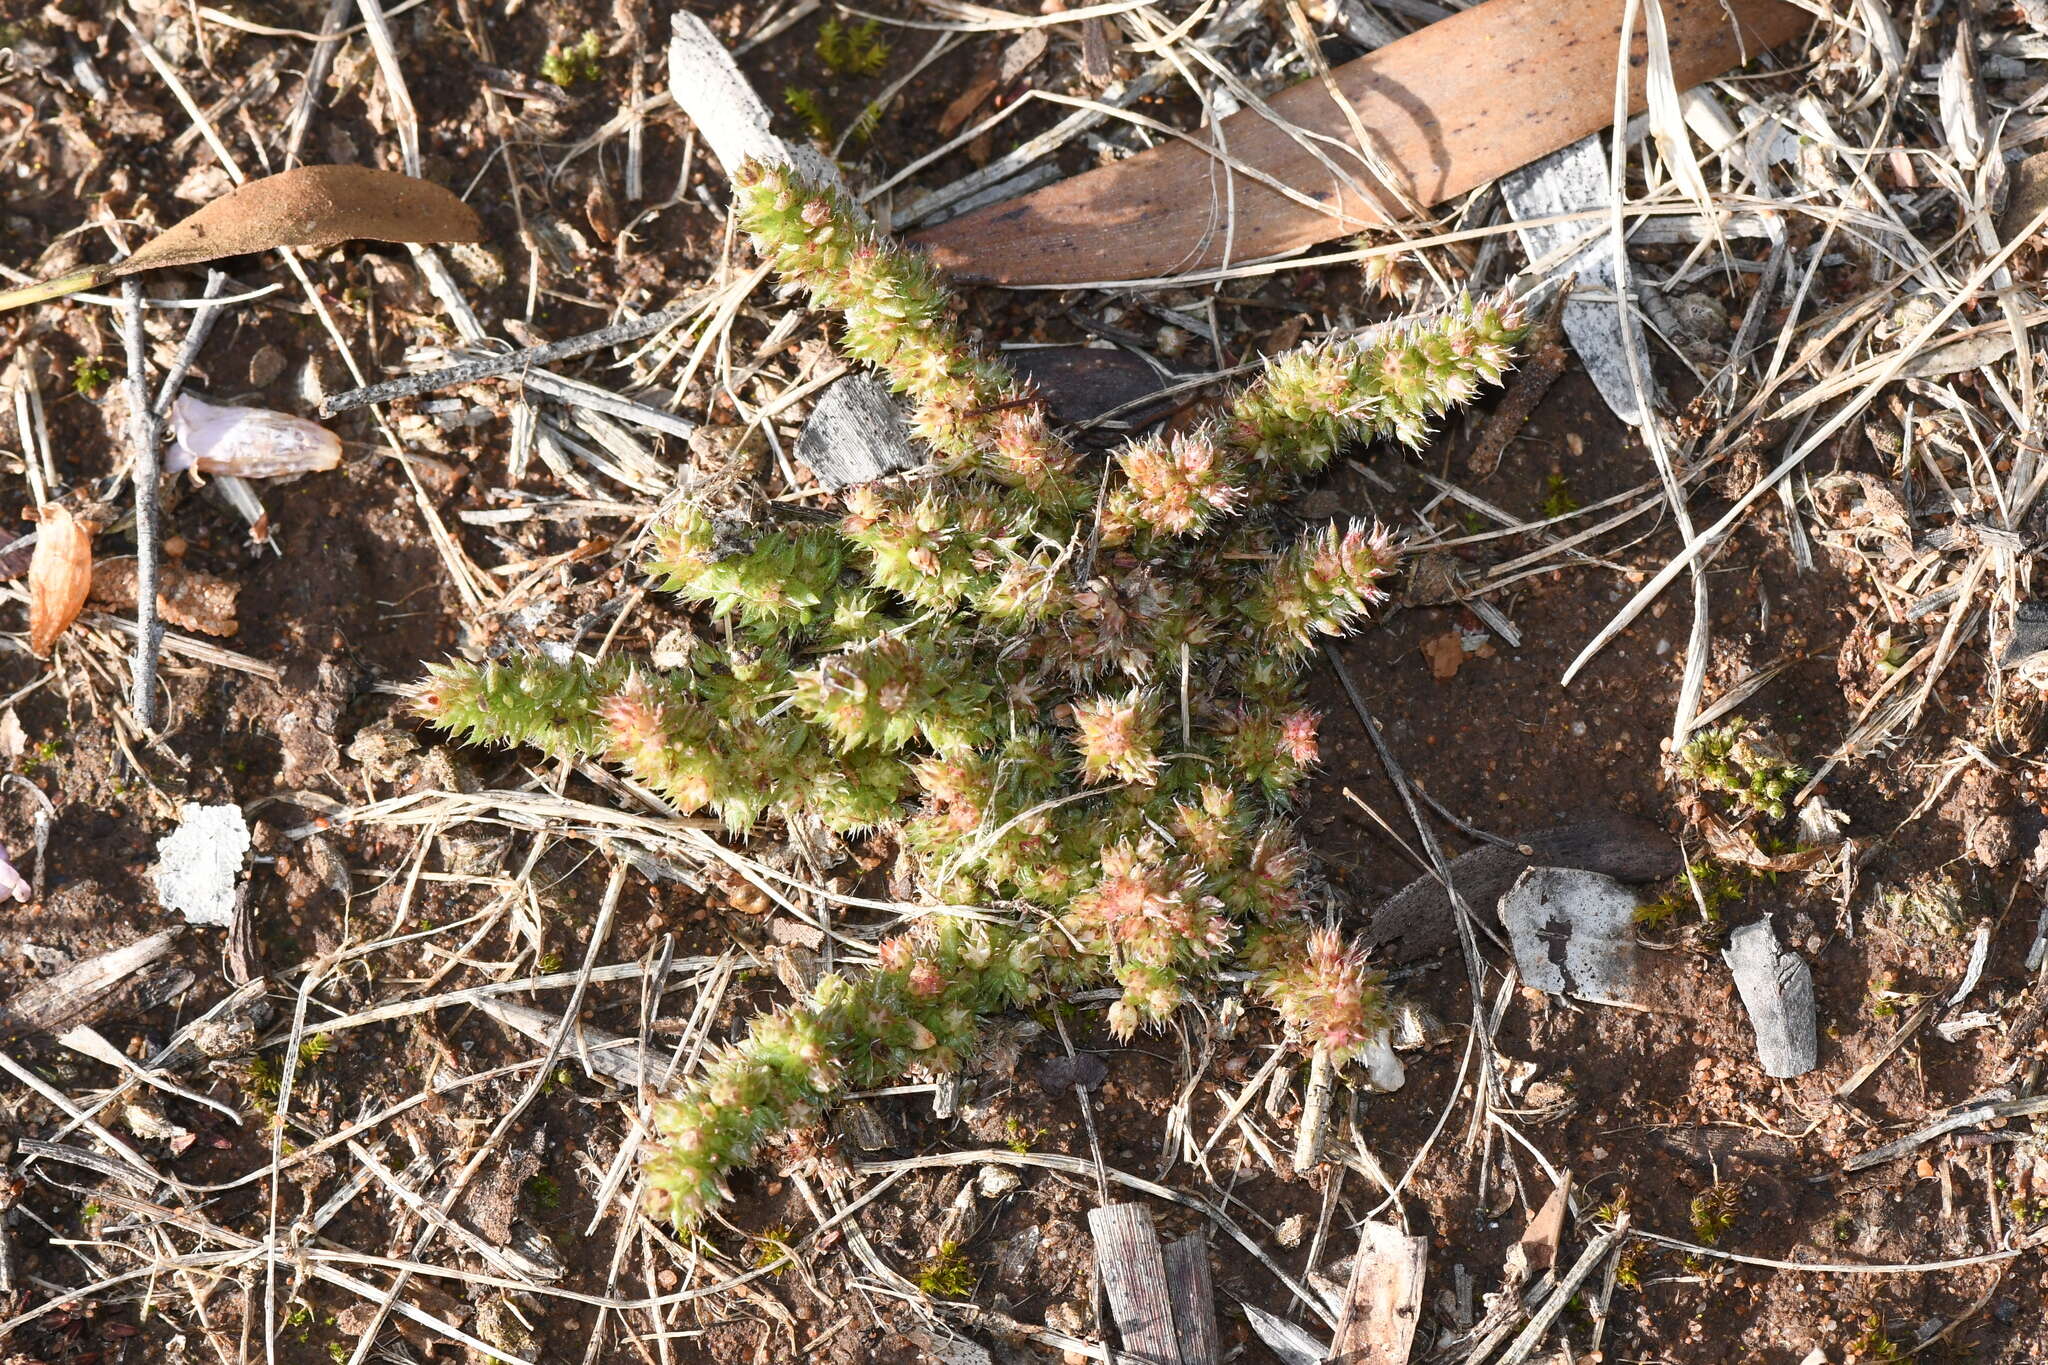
(249, 443)
(59, 576)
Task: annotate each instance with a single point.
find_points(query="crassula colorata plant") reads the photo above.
(1073, 692)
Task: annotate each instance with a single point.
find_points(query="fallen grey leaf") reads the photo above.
(1417, 919)
(199, 864)
(1777, 990)
(1980, 952)
(1574, 934)
(1290, 1343)
(1084, 1069)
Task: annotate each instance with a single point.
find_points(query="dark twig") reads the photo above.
(1545, 359)
(1470, 830)
(143, 428)
(484, 367)
(316, 78)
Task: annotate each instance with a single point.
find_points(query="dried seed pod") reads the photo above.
(250, 443)
(59, 576)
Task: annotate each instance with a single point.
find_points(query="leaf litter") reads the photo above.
(1851, 168)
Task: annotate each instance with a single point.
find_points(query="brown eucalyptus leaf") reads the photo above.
(59, 576)
(310, 206)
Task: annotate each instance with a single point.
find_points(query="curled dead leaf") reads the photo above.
(310, 206)
(59, 576)
(1732, 844)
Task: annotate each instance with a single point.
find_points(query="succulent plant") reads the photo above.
(1068, 688)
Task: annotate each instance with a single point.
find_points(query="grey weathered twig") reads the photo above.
(188, 350)
(709, 87)
(486, 366)
(1922, 1012)
(1567, 1288)
(575, 393)
(143, 427)
(1961, 1118)
(1315, 1111)
(79, 993)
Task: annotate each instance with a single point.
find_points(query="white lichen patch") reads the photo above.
(199, 863)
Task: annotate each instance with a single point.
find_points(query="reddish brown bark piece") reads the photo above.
(186, 598)
(1448, 108)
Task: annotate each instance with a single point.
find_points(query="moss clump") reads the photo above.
(853, 49)
(1558, 499)
(809, 107)
(567, 66)
(1873, 1345)
(89, 375)
(1714, 1211)
(947, 1275)
(1707, 887)
(1737, 760)
(1071, 689)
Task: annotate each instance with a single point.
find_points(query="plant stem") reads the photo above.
(143, 429)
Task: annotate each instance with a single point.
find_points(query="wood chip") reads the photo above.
(1194, 1299)
(1574, 933)
(855, 434)
(707, 86)
(1573, 180)
(1133, 1271)
(1383, 1300)
(1777, 990)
